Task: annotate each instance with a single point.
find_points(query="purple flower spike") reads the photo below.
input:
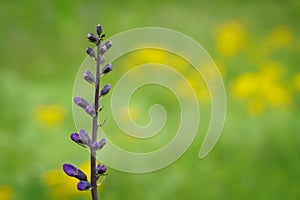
(70, 170)
(107, 68)
(83, 185)
(92, 38)
(99, 29)
(81, 102)
(105, 89)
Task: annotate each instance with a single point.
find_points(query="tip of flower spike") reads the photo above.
(83, 185)
(99, 29)
(70, 170)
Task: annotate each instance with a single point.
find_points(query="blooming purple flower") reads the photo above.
(83, 185)
(105, 89)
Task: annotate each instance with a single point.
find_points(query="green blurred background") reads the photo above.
(256, 46)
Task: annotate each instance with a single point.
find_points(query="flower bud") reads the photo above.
(107, 68)
(83, 185)
(102, 59)
(76, 138)
(84, 137)
(90, 110)
(108, 44)
(101, 169)
(99, 144)
(81, 102)
(105, 89)
(92, 38)
(105, 47)
(99, 29)
(88, 76)
(72, 171)
(90, 52)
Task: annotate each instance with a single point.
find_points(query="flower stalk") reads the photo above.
(82, 138)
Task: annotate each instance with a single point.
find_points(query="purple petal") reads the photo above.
(70, 170)
(83, 185)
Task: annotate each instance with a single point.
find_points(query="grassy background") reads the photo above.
(256, 44)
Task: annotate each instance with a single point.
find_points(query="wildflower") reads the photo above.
(83, 185)
(90, 52)
(92, 38)
(88, 76)
(105, 89)
(99, 144)
(72, 171)
(107, 68)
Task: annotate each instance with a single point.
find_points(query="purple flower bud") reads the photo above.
(81, 175)
(83, 185)
(101, 169)
(105, 47)
(76, 138)
(102, 59)
(107, 68)
(92, 38)
(81, 102)
(108, 44)
(90, 52)
(70, 170)
(99, 29)
(85, 138)
(105, 89)
(88, 76)
(90, 110)
(99, 144)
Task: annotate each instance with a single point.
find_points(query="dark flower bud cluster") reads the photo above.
(83, 138)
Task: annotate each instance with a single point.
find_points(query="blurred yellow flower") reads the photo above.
(280, 37)
(230, 38)
(262, 88)
(6, 192)
(49, 115)
(64, 187)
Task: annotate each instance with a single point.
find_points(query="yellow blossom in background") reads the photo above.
(280, 37)
(262, 88)
(6, 192)
(49, 115)
(230, 38)
(64, 187)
